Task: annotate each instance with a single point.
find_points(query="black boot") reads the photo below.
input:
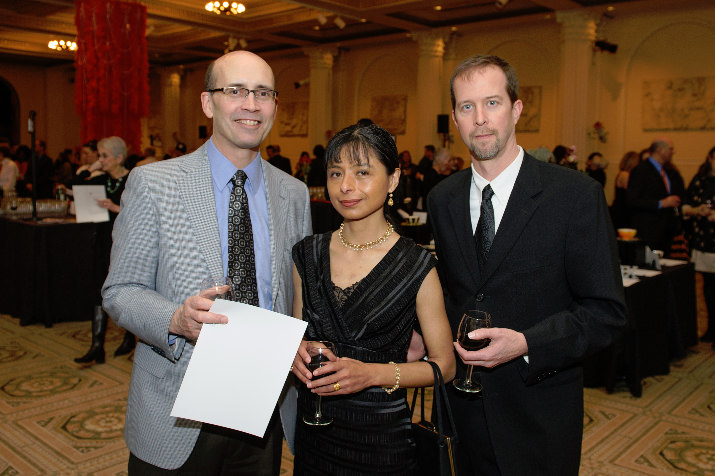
(127, 344)
(99, 329)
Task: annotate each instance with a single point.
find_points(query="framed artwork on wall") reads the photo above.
(293, 119)
(530, 120)
(390, 112)
(679, 104)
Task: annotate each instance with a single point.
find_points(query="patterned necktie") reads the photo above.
(484, 235)
(241, 257)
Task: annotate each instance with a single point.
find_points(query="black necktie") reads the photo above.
(484, 235)
(241, 257)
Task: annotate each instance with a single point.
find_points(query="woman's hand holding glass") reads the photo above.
(321, 354)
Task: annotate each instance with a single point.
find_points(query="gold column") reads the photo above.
(320, 107)
(578, 31)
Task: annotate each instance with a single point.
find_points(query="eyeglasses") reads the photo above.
(239, 94)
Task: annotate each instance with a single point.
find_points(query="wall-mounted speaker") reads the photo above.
(443, 123)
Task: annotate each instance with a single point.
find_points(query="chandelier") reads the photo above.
(62, 45)
(225, 8)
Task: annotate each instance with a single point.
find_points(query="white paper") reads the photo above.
(648, 273)
(629, 282)
(86, 208)
(237, 370)
(672, 262)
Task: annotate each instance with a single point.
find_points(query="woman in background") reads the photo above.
(619, 207)
(363, 287)
(700, 216)
(112, 153)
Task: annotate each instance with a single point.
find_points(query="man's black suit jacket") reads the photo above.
(646, 188)
(553, 274)
(281, 162)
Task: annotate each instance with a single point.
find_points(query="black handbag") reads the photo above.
(436, 444)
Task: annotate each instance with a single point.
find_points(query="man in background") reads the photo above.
(277, 160)
(655, 191)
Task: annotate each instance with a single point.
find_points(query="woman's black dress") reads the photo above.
(114, 187)
(370, 321)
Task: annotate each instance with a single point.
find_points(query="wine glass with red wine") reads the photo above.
(471, 320)
(321, 352)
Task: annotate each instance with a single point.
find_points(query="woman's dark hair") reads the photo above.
(91, 145)
(22, 154)
(705, 169)
(359, 142)
(560, 152)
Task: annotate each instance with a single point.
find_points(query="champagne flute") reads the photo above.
(321, 352)
(471, 320)
(217, 288)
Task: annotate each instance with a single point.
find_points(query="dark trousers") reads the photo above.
(474, 454)
(220, 451)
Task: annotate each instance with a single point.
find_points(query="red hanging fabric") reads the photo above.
(111, 69)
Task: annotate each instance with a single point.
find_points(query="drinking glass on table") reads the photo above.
(321, 352)
(217, 288)
(471, 320)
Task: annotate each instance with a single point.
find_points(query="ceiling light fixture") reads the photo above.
(225, 8)
(500, 3)
(321, 19)
(339, 22)
(62, 45)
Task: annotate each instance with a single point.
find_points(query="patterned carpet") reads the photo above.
(57, 417)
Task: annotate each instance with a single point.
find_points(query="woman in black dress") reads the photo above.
(363, 287)
(699, 210)
(112, 151)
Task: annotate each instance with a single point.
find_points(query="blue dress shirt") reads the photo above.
(658, 166)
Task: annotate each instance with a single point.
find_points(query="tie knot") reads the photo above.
(487, 193)
(239, 178)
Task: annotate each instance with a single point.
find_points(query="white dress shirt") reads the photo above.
(502, 186)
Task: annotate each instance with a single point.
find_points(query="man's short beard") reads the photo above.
(487, 154)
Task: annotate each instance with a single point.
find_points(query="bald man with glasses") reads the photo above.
(191, 218)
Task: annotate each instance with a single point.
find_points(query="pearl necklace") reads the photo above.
(369, 244)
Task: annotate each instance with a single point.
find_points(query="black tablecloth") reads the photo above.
(662, 323)
(48, 271)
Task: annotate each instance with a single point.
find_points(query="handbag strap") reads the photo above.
(439, 402)
(421, 392)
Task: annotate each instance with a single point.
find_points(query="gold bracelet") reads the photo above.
(397, 380)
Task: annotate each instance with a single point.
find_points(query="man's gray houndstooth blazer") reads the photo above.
(166, 241)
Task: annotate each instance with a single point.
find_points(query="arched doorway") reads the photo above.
(10, 115)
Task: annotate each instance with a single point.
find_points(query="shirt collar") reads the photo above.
(503, 184)
(222, 170)
(658, 166)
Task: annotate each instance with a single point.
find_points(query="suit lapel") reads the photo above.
(276, 197)
(519, 210)
(461, 221)
(196, 188)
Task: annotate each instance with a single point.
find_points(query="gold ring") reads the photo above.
(336, 386)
